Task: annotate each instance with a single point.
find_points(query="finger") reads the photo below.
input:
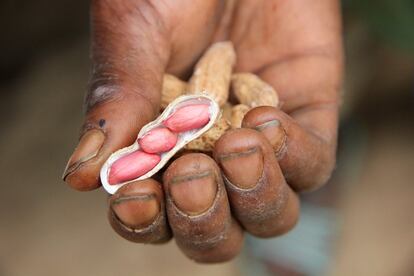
(137, 212)
(302, 59)
(128, 64)
(259, 196)
(302, 56)
(198, 210)
(306, 155)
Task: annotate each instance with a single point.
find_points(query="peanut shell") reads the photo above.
(226, 111)
(212, 72)
(206, 142)
(237, 115)
(250, 90)
(172, 88)
(183, 138)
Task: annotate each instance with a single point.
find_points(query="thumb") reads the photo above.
(129, 57)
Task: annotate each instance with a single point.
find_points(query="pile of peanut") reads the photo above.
(213, 74)
(191, 109)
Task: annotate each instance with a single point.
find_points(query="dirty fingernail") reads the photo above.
(243, 169)
(193, 194)
(275, 134)
(136, 211)
(88, 147)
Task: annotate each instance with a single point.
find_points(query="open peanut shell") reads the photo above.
(183, 138)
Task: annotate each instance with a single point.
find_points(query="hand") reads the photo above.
(257, 170)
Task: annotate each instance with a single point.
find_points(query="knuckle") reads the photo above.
(100, 92)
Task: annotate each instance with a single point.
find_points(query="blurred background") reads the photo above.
(361, 223)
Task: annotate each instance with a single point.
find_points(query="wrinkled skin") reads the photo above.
(252, 180)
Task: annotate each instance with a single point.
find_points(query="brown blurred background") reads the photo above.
(48, 229)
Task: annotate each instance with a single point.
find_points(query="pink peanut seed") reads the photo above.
(132, 166)
(158, 140)
(188, 117)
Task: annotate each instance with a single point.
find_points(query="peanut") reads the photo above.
(188, 118)
(212, 76)
(172, 88)
(158, 140)
(250, 90)
(212, 73)
(207, 140)
(132, 166)
(227, 110)
(237, 115)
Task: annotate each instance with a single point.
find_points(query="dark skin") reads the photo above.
(251, 181)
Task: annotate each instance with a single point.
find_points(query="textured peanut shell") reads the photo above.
(206, 141)
(250, 90)
(237, 115)
(226, 111)
(172, 88)
(212, 72)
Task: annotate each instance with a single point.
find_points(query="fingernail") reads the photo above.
(88, 147)
(136, 211)
(275, 133)
(243, 169)
(193, 194)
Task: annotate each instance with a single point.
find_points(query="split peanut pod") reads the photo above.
(185, 119)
